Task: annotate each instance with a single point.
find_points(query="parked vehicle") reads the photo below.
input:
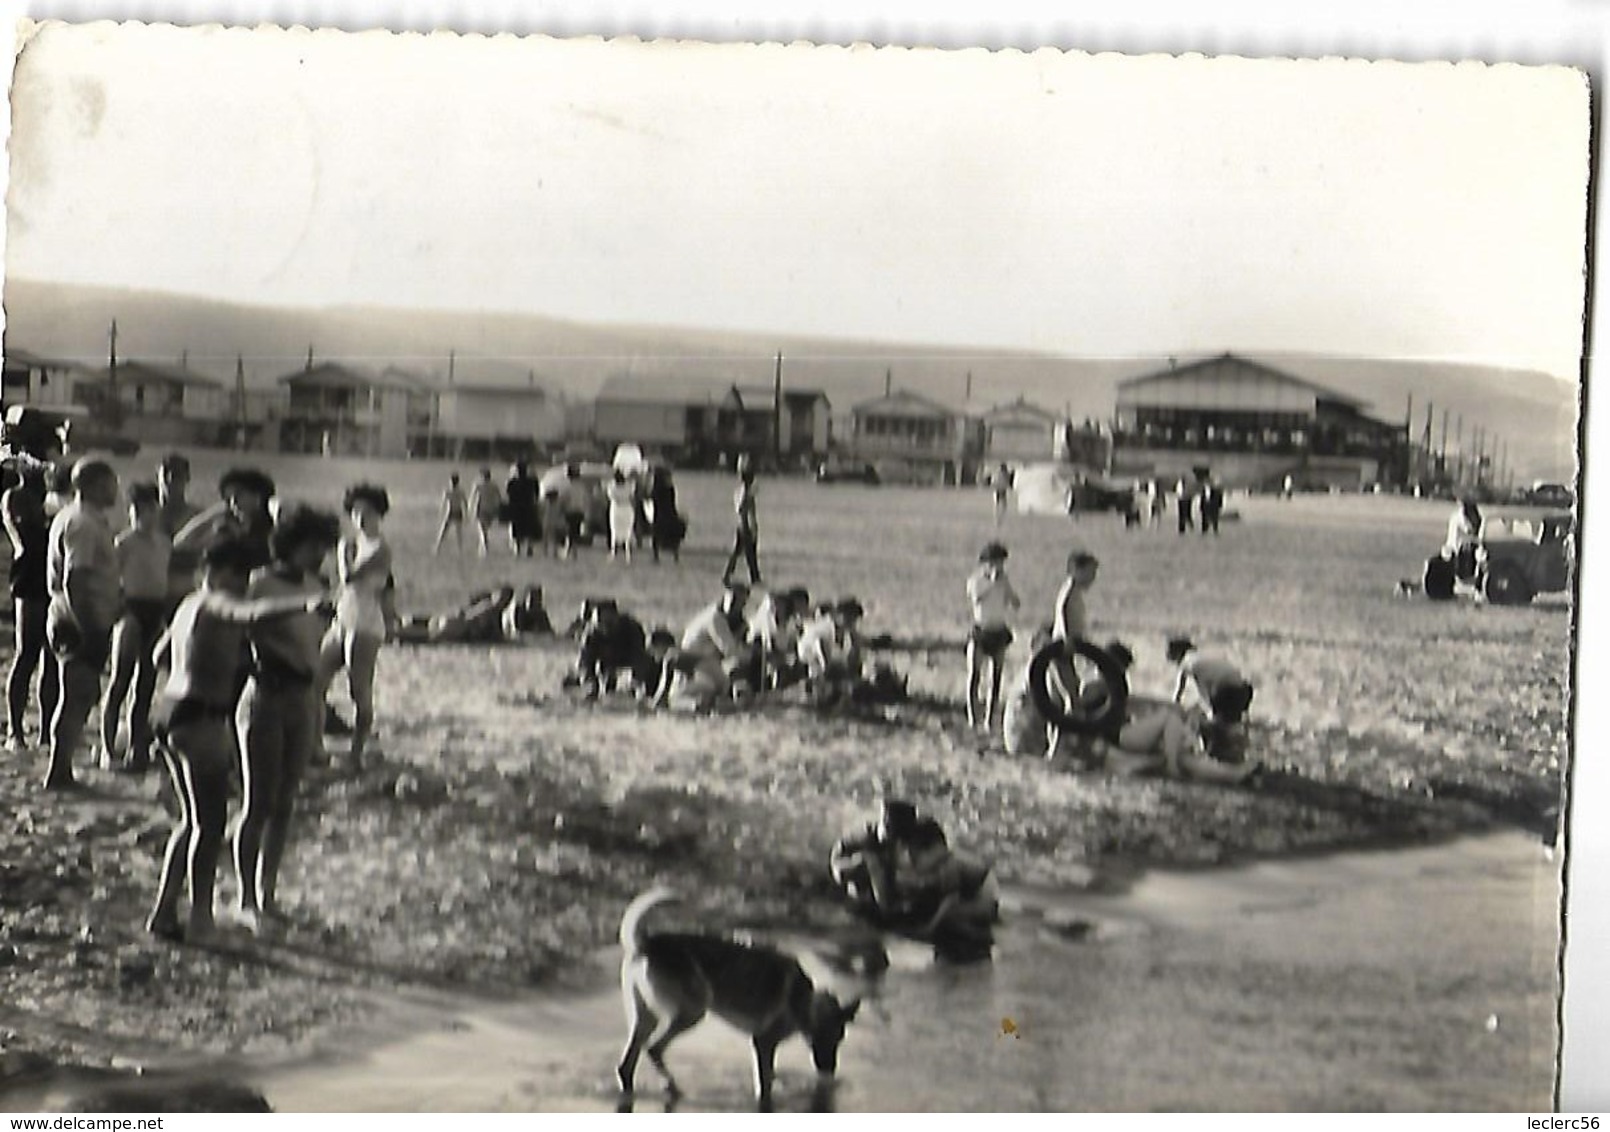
(842, 469)
(1550, 495)
(1518, 556)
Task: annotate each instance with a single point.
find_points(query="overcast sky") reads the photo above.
(1091, 206)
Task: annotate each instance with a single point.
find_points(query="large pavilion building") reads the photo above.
(1252, 425)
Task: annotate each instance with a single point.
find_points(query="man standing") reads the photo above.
(173, 480)
(1184, 498)
(81, 577)
(746, 539)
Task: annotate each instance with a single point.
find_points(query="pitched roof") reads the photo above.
(760, 396)
(501, 388)
(905, 399)
(1022, 407)
(666, 389)
(16, 355)
(134, 369)
(397, 377)
(337, 375)
(1322, 391)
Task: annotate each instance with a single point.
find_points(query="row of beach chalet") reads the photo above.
(1251, 423)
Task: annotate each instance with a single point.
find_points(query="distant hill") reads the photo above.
(1534, 412)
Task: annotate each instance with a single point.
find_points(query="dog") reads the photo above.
(671, 980)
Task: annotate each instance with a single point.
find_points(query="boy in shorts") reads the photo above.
(455, 503)
(992, 598)
(279, 716)
(86, 599)
(202, 650)
(143, 553)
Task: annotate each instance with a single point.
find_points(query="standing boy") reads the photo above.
(173, 482)
(85, 602)
(143, 553)
(746, 539)
(202, 649)
(486, 504)
(279, 716)
(454, 505)
(1070, 622)
(992, 599)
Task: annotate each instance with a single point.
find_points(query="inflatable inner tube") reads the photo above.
(1080, 721)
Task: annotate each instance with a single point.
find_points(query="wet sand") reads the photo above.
(1391, 980)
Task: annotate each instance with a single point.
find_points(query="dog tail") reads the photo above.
(632, 921)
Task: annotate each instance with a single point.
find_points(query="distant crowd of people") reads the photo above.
(561, 509)
(1196, 504)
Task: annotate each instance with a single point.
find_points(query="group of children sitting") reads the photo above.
(727, 652)
(1197, 733)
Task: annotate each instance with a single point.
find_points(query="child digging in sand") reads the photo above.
(202, 650)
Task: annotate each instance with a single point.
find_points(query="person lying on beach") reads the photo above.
(478, 621)
(526, 616)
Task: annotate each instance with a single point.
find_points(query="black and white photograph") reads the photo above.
(609, 574)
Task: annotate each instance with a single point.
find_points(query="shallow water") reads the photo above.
(1411, 979)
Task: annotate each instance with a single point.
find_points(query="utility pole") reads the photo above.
(1459, 443)
(1408, 442)
(777, 411)
(1425, 435)
(240, 402)
(113, 414)
(1442, 450)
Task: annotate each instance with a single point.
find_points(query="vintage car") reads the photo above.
(1519, 555)
(843, 469)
